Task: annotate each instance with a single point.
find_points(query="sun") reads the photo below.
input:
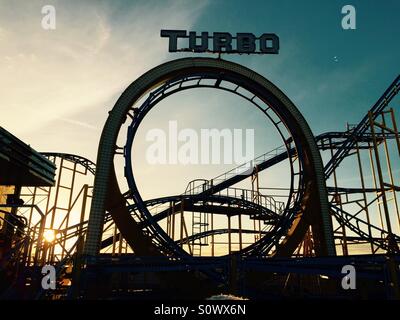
(49, 235)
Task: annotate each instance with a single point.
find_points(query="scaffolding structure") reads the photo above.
(362, 176)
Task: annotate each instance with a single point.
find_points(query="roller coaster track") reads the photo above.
(265, 161)
(86, 163)
(356, 225)
(216, 232)
(335, 139)
(243, 207)
(362, 127)
(237, 206)
(343, 142)
(247, 207)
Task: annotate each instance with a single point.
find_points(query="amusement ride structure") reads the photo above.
(106, 241)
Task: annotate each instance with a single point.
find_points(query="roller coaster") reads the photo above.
(216, 236)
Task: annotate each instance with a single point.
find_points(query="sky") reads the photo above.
(57, 86)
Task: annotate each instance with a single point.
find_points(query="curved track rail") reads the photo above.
(311, 195)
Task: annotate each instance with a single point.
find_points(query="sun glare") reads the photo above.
(49, 235)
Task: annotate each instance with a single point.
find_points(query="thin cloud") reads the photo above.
(90, 57)
(79, 123)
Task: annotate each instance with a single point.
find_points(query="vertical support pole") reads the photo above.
(181, 227)
(83, 209)
(397, 136)
(212, 236)
(39, 239)
(185, 229)
(255, 190)
(360, 168)
(240, 232)
(338, 198)
(30, 236)
(120, 244)
(114, 240)
(229, 235)
(172, 205)
(390, 171)
(395, 130)
(40, 234)
(53, 212)
(255, 230)
(31, 209)
(193, 229)
(373, 172)
(381, 181)
(71, 192)
(169, 224)
(42, 227)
